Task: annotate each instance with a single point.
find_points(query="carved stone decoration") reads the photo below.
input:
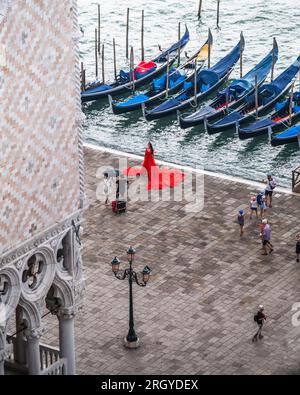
(10, 291)
(19, 264)
(38, 273)
(64, 256)
(77, 258)
(60, 292)
(35, 333)
(67, 313)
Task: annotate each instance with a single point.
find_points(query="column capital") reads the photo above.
(67, 313)
(34, 333)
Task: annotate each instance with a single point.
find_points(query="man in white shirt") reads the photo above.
(271, 185)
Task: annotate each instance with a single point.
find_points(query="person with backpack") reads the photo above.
(260, 202)
(259, 318)
(271, 185)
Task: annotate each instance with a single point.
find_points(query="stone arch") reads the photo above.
(45, 273)
(11, 287)
(61, 292)
(31, 315)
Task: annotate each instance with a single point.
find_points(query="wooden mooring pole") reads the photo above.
(115, 59)
(103, 65)
(227, 94)
(127, 35)
(209, 48)
(168, 76)
(179, 48)
(96, 53)
(256, 96)
(132, 69)
(291, 105)
(218, 14)
(241, 58)
(273, 59)
(142, 37)
(199, 9)
(99, 41)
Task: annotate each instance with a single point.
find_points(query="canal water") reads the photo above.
(260, 21)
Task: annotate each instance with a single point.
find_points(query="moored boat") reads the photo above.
(291, 135)
(285, 113)
(144, 73)
(206, 83)
(268, 95)
(231, 97)
(161, 87)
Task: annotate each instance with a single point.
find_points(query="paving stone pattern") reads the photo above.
(196, 314)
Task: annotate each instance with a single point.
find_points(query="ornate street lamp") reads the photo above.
(131, 340)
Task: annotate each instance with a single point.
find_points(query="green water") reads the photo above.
(259, 20)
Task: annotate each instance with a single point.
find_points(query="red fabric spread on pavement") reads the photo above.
(157, 178)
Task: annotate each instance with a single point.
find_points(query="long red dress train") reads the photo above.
(157, 178)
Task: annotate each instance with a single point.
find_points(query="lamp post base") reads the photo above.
(134, 344)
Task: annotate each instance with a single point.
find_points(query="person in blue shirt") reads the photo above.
(260, 202)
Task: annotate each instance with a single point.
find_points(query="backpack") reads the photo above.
(256, 318)
(259, 199)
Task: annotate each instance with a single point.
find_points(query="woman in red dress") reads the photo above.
(157, 178)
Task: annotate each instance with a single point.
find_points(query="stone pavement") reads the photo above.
(196, 314)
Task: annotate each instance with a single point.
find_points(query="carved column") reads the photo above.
(2, 349)
(2, 360)
(20, 346)
(66, 338)
(33, 351)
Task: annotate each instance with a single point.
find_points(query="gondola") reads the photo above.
(268, 95)
(232, 96)
(285, 113)
(291, 135)
(144, 73)
(207, 82)
(158, 89)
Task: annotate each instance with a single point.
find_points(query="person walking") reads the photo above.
(107, 187)
(263, 207)
(259, 318)
(266, 238)
(253, 206)
(260, 202)
(121, 188)
(271, 185)
(297, 247)
(261, 227)
(241, 221)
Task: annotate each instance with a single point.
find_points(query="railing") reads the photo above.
(48, 356)
(50, 362)
(296, 180)
(59, 368)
